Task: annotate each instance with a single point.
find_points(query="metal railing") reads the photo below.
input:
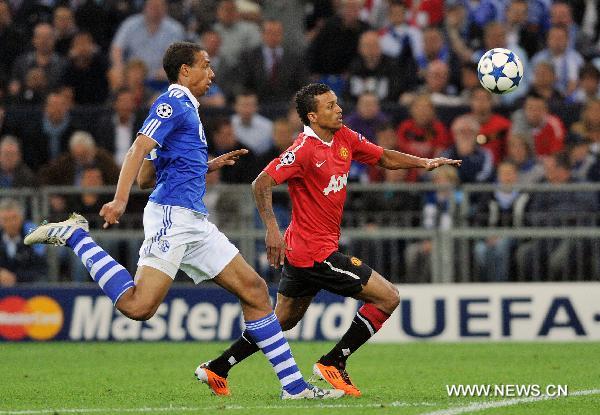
(391, 239)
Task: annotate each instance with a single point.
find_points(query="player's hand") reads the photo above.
(431, 164)
(276, 248)
(112, 211)
(227, 159)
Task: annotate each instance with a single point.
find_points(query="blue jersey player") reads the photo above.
(177, 232)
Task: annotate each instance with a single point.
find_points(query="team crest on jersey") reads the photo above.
(344, 153)
(164, 110)
(355, 261)
(164, 245)
(286, 159)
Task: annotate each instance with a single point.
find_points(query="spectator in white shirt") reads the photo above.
(237, 36)
(146, 36)
(398, 36)
(251, 129)
(567, 62)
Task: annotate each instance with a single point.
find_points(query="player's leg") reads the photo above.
(142, 301)
(239, 278)
(112, 278)
(264, 329)
(294, 297)
(381, 299)
(138, 301)
(289, 312)
(355, 279)
(214, 257)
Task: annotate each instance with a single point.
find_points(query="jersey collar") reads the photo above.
(311, 133)
(187, 92)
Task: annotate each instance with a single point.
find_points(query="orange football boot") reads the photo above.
(336, 377)
(216, 383)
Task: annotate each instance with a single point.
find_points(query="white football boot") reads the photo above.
(57, 233)
(314, 392)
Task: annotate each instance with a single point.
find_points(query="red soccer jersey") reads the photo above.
(495, 130)
(422, 142)
(317, 174)
(550, 137)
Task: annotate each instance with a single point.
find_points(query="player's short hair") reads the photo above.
(179, 53)
(305, 100)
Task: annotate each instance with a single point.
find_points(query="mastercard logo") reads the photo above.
(39, 318)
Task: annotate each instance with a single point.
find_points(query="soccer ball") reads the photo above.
(500, 70)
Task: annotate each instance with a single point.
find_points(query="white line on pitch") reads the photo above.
(209, 408)
(482, 406)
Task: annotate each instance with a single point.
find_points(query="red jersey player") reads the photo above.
(316, 169)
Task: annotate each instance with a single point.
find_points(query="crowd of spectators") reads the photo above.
(76, 77)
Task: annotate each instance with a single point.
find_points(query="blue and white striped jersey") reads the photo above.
(181, 157)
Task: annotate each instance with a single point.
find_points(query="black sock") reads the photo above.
(359, 332)
(242, 348)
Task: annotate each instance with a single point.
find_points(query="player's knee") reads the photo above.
(391, 300)
(143, 313)
(138, 311)
(140, 315)
(395, 297)
(256, 291)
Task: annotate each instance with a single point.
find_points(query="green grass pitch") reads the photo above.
(157, 378)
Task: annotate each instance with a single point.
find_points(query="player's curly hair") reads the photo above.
(179, 53)
(305, 100)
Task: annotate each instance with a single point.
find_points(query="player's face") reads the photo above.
(200, 74)
(329, 113)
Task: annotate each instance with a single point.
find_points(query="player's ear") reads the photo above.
(184, 70)
(312, 116)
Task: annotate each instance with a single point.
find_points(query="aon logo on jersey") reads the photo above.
(336, 184)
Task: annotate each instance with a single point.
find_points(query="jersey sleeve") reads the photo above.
(363, 150)
(164, 117)
(290, 164)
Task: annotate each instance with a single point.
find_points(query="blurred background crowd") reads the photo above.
(77, 78)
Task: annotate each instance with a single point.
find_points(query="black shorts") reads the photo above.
(339, 274)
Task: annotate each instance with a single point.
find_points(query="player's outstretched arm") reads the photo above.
(112, 211)
(441, 161)
(227, 159)
(262, 187)
(146, 177)
(394, 160)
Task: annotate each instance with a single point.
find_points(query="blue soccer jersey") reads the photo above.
(181, 157)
